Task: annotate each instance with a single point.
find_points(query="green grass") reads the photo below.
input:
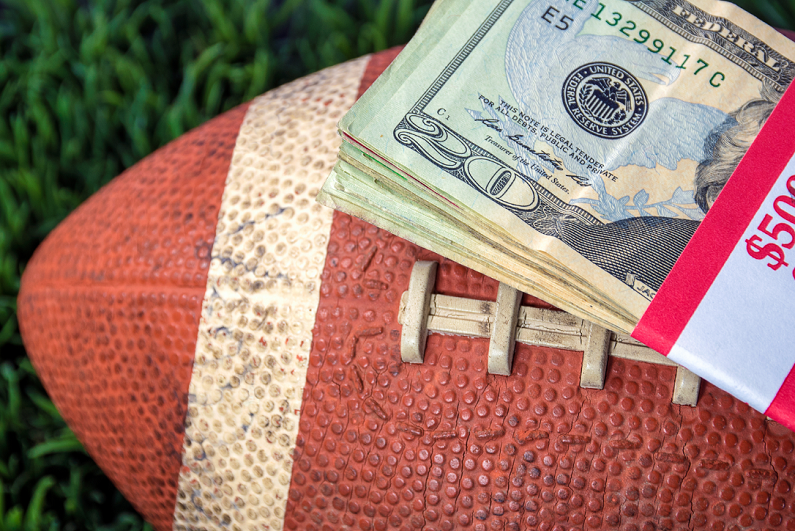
(87, 88)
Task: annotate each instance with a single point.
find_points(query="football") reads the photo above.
(230, 352)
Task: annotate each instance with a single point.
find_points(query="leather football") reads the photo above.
(229, 352)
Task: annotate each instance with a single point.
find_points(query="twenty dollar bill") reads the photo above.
(579, 142)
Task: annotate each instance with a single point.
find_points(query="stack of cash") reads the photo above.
(569, 148)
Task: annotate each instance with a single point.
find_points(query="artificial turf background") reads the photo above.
(88, 88)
